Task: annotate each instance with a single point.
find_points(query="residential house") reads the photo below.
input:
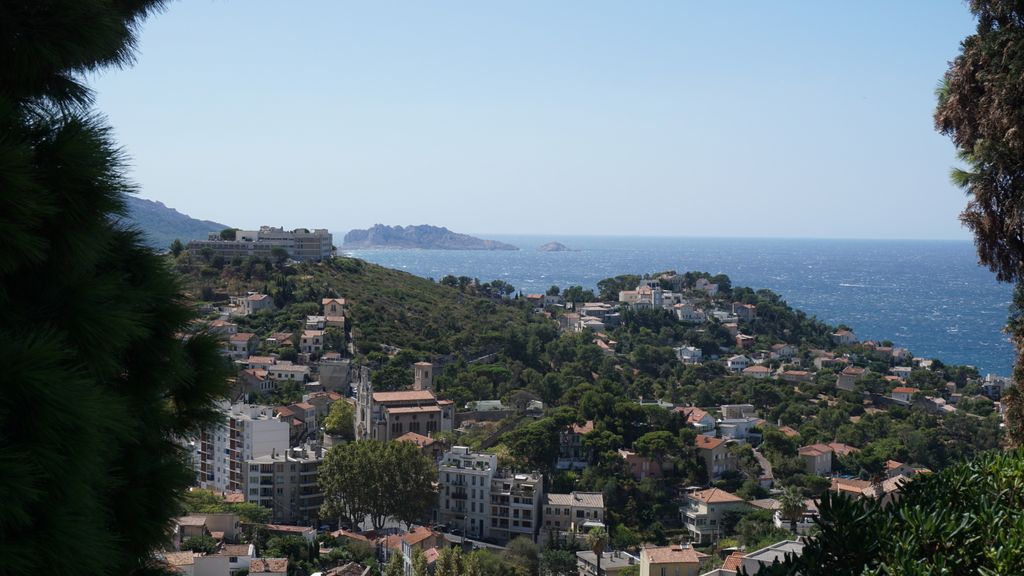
(706, 286)
(284, 370)
(311, 341)
(697, 418)
(568, 517)
(419, 539)
(843, 337)
(223, 327)
(783, 351)
(817, 459)
(744, 341)
(745, 312)
(333, 306)
(846, 379)
(242, 345)
(612, 562)
(689, 354)
(894, 469)
(796, 376)
(427, 445)
(807, 521)
(733, 411)
(238, 556)
(255, 302)
(644, 466)
(901, 372)
(702, 513)
(758, 372)
(572, 454)
(316, 322)
(716, 455)
(739, 429)
(671, 560)
(688, 313)
(737, 363)
(904, 393)
(195, 564)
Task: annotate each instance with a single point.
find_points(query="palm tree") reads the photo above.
(597, 539)
(792, 506)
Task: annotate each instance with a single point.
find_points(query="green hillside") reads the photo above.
(385, 306)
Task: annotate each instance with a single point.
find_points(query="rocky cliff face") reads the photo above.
(423, 237)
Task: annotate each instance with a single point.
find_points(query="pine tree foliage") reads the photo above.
(102, 375)
(968, 519)
(981, 108)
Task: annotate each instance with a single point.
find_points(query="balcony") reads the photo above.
(460, 495)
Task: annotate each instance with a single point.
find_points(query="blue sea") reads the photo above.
(928, 296)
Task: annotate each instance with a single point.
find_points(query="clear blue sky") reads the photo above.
(765, 119)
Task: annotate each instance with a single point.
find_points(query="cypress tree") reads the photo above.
(103, 374)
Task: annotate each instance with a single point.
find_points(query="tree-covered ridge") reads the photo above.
(491, 346)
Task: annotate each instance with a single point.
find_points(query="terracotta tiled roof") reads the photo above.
(418, 534)
(708, 442)
(789, 432)
(815, 450)
(179, 558)
(842, 449)
(412, 409)
(672, 555)
(241, 336)
(893, 464)
(733, 562)
(714, 496)
(403, 396)
(192, 520)
(586, 428)
(417, 439)
(905, 390)
(234, 550)
(268, 566)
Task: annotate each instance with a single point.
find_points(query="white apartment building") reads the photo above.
(464, 482)
(484, 502)
(248, 431)
(301, 244)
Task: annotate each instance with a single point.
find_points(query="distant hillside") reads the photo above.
(423, 237)
(162, 225)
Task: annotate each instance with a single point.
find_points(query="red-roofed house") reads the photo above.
(674, 560)
(703, 510)
(716, 455)
(817, 458)
(268, 566)
(572, 454)
(697, 418)
(848, 377)
(904, 393)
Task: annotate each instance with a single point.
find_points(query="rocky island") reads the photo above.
(424, 237)
(554, 247)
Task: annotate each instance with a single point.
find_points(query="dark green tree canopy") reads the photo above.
(981, 108)
(105, 374)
